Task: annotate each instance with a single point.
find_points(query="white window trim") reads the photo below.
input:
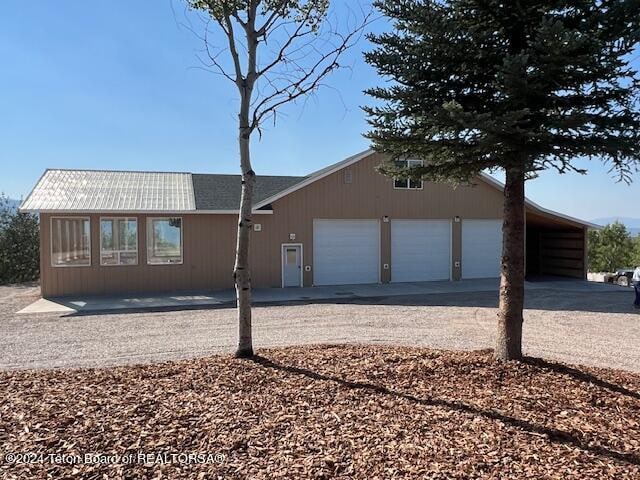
(119, 251)
(54, 265)
(282, 255)
(149, 232)
(415, 162)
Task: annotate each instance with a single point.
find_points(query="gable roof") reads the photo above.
(360, 156)
(182, 192)
(222, 192)
(314, 177)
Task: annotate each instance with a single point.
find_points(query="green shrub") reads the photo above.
(19, 245)
(611, 248)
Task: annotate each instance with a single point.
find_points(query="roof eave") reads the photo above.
(319, 174)
(498, 184)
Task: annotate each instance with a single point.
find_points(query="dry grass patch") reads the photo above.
(363, 412)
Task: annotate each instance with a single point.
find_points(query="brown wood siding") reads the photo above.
(209, 240)
(208, 249)
(368, 196)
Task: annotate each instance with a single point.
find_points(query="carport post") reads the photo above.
(585, 260)
(525, 243)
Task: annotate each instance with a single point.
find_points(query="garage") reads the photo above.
(420, 250)
(346, 251)
(481, 248)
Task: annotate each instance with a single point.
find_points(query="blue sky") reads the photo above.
(117, 85)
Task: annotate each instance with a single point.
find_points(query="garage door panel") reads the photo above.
(481, 248)
(420, 250)
(346, 251)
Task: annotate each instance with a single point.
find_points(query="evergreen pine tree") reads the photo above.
(520, 86)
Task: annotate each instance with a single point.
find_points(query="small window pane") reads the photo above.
(400, 182)
(292, 256)
(417, 184)
(164, 239)
(118, 241)
(106, 235)
(70, 242)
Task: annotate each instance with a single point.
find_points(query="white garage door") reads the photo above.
(481, 248)
(346, 251)
(420, 250)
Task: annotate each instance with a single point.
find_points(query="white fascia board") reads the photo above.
(499, 185)
(316, 176)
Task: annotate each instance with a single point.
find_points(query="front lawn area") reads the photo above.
(363, 412)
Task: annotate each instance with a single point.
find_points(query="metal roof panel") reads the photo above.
(100, 190)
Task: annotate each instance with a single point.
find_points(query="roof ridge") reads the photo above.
(257, 175)
(110, 170)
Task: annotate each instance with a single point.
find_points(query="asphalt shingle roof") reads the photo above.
(222, 192)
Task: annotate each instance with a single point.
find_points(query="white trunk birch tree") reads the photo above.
(276, 52)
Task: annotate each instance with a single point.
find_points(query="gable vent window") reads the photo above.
(406, 183)
(348, 176)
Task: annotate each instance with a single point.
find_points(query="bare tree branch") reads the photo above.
(214, 58)
(307, 79)
(233, 50)
(298, 33)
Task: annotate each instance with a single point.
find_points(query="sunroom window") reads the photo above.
(164, 241)
(70, 242)
(407, 183)
(118, 241)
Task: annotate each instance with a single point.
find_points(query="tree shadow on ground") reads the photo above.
(553, 434)
(619, 301)
(581, 376)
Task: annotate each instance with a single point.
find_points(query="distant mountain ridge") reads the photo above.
(632, 224)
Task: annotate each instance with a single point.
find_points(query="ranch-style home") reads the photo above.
(113, 232)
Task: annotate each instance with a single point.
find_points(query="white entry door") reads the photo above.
(291, 265)
(346, 251)
(420, 250)
(481, 248)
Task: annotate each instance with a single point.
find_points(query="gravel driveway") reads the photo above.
(598, 328)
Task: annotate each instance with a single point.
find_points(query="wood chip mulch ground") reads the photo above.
(357, 412)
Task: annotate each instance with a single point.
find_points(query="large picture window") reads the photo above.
(118, 241)
(70, 242)
(407, 183)
(164, 240)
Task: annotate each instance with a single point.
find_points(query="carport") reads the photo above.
(555, 245)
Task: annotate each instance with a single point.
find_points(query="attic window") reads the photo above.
(348, 176)
(407, 183)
